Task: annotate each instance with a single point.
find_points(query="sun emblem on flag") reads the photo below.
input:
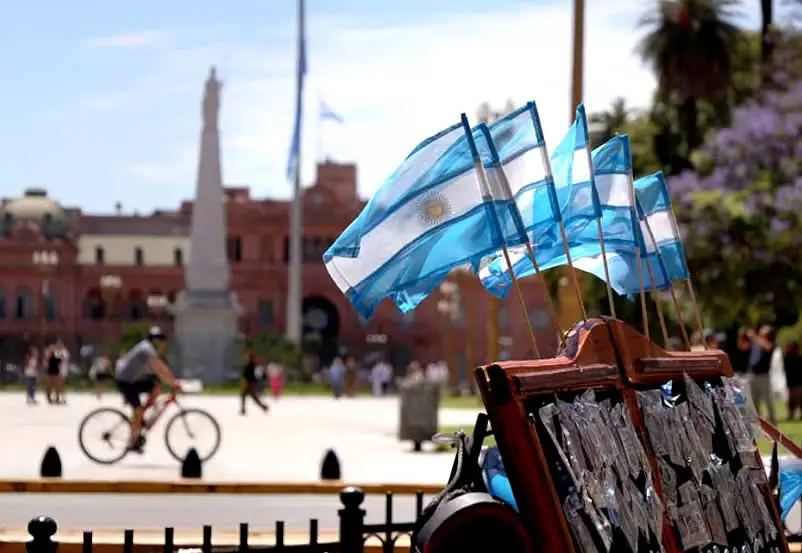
(434, 208)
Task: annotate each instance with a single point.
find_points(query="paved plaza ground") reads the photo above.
(284, 445)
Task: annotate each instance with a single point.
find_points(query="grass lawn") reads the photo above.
(793, 429)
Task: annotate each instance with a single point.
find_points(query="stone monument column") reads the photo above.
(206, 311)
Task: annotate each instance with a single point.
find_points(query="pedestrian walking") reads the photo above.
(758, 375)
(31, 374)
(249, 385)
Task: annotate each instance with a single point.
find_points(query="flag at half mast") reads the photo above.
(429, 217)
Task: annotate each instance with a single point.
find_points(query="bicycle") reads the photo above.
(121, 424)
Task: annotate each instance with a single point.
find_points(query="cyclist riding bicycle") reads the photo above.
(139, 372)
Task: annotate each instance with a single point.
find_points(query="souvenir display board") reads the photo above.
(619, 446)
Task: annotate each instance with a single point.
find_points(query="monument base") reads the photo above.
(207, 330)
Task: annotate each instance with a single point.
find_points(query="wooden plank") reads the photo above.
(57, 485)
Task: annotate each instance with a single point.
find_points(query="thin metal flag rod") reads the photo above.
(638, 261)
(485, 187)
(680, 317)
(294, 285)
(675, 302)
(505, 184)
(697, 313)
(600, 230)
(564, 238)
(660, 315)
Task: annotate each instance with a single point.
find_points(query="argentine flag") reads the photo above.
(660, 245)
(429, 217)
(512, 153)
(659, 226)
(572, 190)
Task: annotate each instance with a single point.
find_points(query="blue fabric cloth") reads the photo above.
(496, 477)
(431, 216)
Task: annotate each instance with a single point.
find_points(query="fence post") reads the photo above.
(352, 521)
(42, 530)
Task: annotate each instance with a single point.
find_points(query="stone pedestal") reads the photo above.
(207, 334)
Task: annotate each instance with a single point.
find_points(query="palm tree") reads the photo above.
(605, 125)
(688, 44)
(766, 39)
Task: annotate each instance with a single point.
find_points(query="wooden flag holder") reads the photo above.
(540, 411)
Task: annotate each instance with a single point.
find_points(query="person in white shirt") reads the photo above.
(380, 376)
(31, 373)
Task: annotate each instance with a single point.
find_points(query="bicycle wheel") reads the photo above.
(108, 428)
(192, 428)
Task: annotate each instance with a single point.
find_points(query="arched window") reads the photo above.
(22, 309)
(136, 305)
(94, 306)
(51, 303)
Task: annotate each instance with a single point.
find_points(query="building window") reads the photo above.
(139, 256)
(136, 305)
(2, 304)
(234, 247)
(23, 305)
(286, 256)
(94, 306)
(265, 313)
(178, 257)
(100, 255)
(50, 306)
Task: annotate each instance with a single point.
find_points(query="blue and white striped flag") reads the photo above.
(328, 114)
(661, 251)
(429, 217)
(571, 188)
(659, 226)
(512, 152)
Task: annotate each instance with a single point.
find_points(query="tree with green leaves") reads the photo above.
(689, 44)
(606, 124)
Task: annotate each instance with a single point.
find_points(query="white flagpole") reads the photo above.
(294, 327)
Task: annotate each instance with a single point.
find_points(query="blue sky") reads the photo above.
(100, 100)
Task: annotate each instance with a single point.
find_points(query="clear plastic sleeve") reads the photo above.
(715, 521)
(573, 515)
(692, 527)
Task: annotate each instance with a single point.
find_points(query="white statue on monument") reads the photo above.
(207, 311)
(211, 99)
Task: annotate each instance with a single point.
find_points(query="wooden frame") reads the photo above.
(603, 355)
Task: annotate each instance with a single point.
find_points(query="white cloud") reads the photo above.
(395, 86)
(138, 39)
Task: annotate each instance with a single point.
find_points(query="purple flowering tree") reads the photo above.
(741, 211)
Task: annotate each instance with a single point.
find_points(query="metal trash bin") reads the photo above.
(420, 405)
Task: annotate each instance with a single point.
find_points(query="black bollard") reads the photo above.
(51, 464)
(352, 521)
(42, 530)
(191, 467)
(330, 467)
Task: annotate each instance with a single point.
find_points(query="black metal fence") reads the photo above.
(353, 533)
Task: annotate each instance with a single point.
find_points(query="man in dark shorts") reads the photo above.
(138, 373)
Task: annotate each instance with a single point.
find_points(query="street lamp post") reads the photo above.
(110, 286)
(46, 262)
